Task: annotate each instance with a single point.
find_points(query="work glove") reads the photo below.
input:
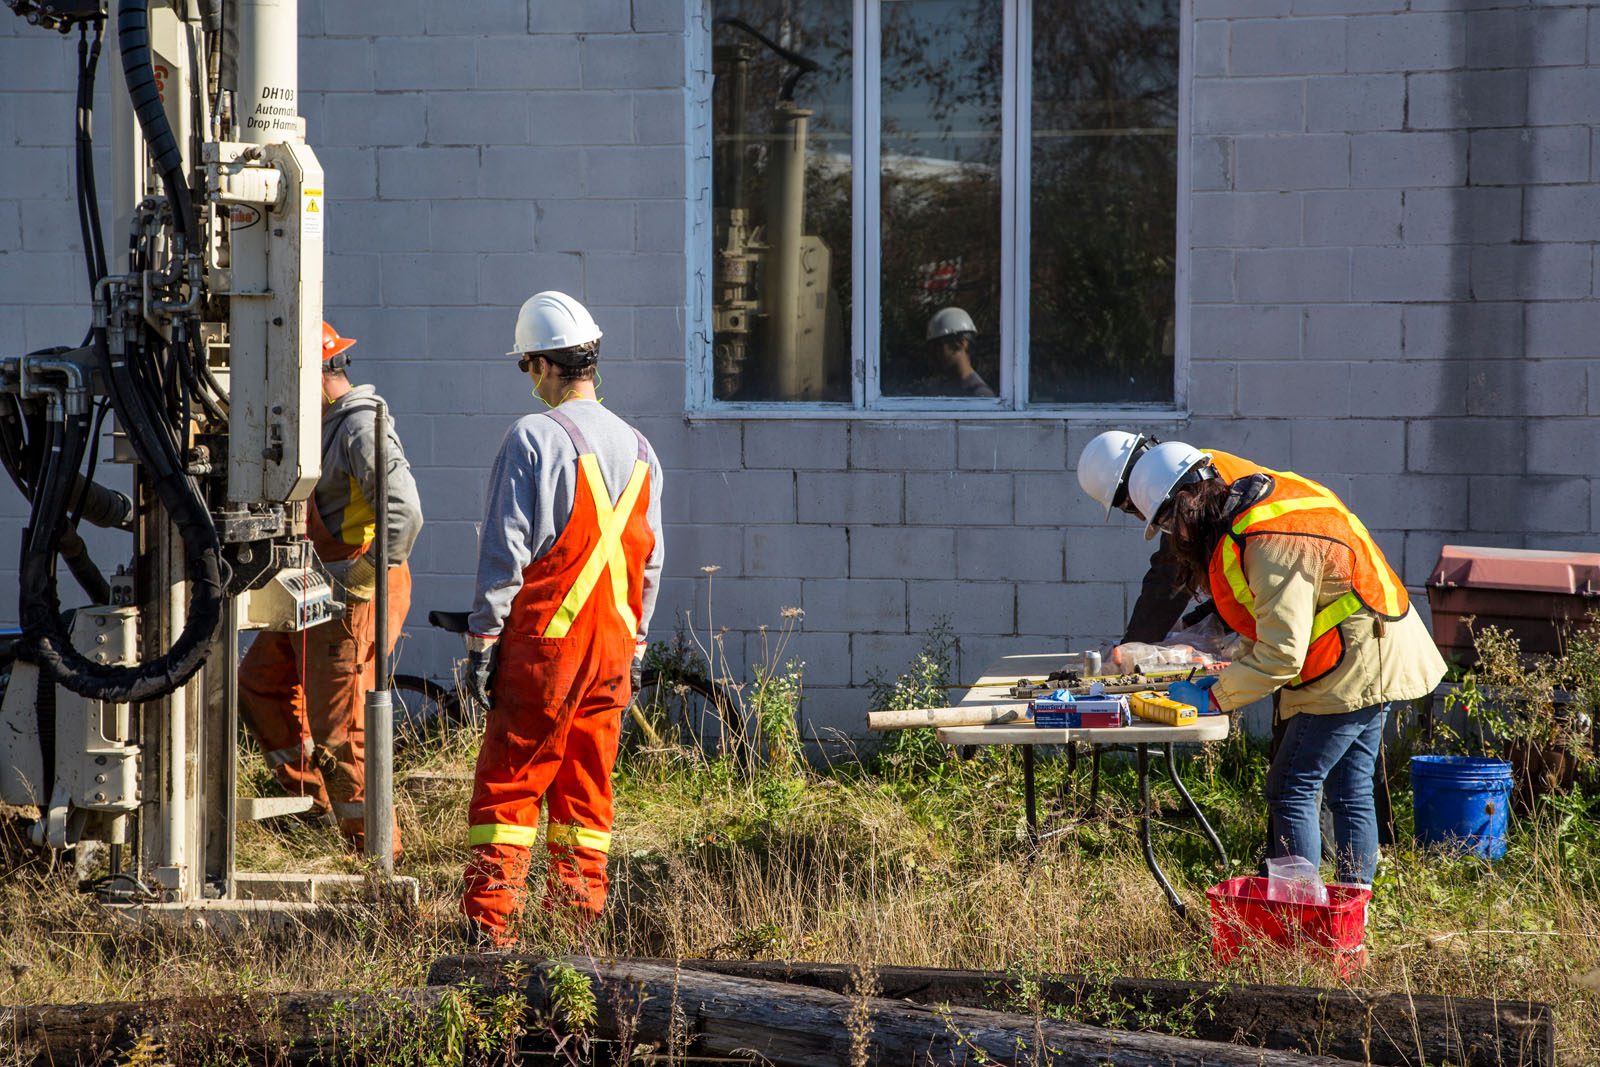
(636, 673)
(482, 659)
(357, 578)
(1197, 694)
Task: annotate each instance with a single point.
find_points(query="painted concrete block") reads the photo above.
(1407, 160)
(876, 445)
(423, 174)
(1267, 105)
(1530, 271)
(1562, 330)
(1294, 275)
(1014, 553)
(1464, 216)
(1350, 103)
(1530, 156)
(1288, 163)
(968, 607)
(1296, 389)
(1354, 332)
(1463, 99)
(731, 496)
(1011, 446)
(1321, 447)
(634, 61)
(1410, 273)
(481, 225)
(1245, 332)
(1433, 41)
(898, 552)
(1072, 609)
(1458, 331)
(854, 605)
(516, 61)
(478, 118)
(1531, 388)
(951, 498)
(1287, 46)
(796, 551)
(1465, 446)
(850, 497)
(585, 226)
(821, 444)
(1246, 220)
(1409, 390)
(1560, 213)
(1530, 504)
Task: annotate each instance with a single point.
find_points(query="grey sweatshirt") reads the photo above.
(531, 492)
(349, 477)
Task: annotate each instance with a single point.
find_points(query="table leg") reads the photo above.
(1211, 835)
(1144, 832)
(1029, 804)
(1094, 782)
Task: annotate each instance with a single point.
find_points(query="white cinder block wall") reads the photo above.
(1394, 213)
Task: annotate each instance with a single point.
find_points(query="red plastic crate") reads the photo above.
(1244, 920)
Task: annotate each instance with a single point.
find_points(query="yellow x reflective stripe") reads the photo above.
(607, 552)
(573, 836)
(500, 833)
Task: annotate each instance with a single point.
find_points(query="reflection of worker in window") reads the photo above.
(950, 335)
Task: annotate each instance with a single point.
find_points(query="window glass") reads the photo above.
(781, 109)
(939, 220)
(1103, 200)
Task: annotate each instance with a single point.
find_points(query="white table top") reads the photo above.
(991, 690)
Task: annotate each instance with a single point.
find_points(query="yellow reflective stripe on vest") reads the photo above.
(501, 833)
(570, 835)
(1263, 512)
(1380, 567)
(607, 552)
(1334, 614)
(1233, 568)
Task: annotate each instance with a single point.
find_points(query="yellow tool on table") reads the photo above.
(1158, 707)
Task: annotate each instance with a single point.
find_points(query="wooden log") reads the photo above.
(1397, 1029)
(911, 718)
(284, 1028)
(793, 1025)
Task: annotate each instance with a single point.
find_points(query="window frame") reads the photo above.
(867, 400)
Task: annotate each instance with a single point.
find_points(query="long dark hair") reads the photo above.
(1198, 518)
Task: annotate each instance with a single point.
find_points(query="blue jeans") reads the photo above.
(1331, 755)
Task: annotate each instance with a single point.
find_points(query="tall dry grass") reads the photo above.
(914, 864)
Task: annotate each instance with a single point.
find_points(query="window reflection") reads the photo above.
(1103, 210)
(781, 105)
(940, 223)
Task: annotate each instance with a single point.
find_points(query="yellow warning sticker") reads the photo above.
(311, 212)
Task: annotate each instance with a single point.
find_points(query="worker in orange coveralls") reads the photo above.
(303, 695)
(569, 561)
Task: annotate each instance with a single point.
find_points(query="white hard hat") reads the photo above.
(550, 321)
(1104, 463)
(947, 321)
(1158, 474)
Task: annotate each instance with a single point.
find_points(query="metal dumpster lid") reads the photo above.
(1532, 570)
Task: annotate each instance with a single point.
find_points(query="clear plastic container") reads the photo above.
(1295, 880)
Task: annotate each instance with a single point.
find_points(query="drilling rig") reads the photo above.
(119, 723)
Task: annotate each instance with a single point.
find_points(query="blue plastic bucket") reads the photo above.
(1461, 801)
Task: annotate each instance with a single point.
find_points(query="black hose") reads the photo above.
(138, 70)
(49, 644)
(75, 554)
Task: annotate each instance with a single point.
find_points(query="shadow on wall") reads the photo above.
(1479, 337)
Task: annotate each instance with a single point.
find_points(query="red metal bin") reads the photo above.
(1537, 595)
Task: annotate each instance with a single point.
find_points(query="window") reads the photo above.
(964, 205)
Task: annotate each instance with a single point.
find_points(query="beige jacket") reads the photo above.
(1291, 579)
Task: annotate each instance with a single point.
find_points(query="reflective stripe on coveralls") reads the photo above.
(1298, 505)
(561, 685)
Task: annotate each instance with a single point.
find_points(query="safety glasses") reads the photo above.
(524, 363)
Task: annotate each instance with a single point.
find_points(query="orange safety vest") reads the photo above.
(1232, 467)
(1304, 508)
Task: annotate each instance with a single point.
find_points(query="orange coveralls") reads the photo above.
(560, 688)
(303, 695)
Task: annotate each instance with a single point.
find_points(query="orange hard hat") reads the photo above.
(332, 343)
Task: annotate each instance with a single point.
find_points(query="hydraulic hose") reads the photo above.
(138, 70)
(49, 645)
